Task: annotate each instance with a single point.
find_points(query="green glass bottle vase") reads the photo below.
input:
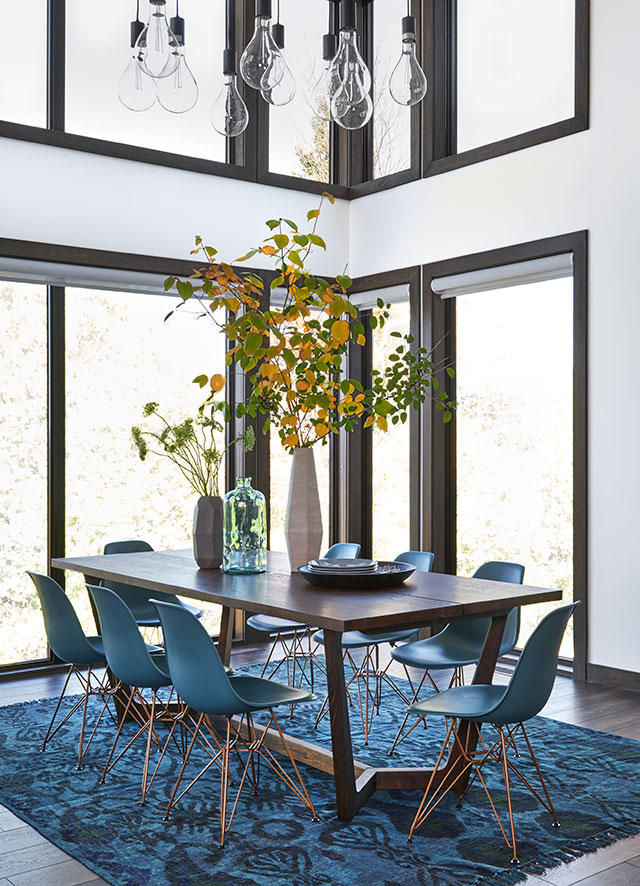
(245, 529)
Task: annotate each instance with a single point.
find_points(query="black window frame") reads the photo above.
(439, 38)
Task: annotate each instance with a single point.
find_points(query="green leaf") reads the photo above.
(446, 417)
(294, 258)
(281, 240)
(277, 281)
(313, 213)
(289, 358)
(383, 407)
(380, 303)
(273, 223)
(317, 241)
(167, 317)
(210, 251)
(301, 239)
(451, 372)
(373, 322)
(344, 281)
(185, 289)
(292, 225)
(200, 380)
(252, 343)
(168, 283)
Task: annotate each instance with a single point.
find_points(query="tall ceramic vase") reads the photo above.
(303, 527)
(207, 532)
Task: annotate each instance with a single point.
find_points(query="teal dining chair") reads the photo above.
(295, 638)
(368, 674)
(205, 687)
(136, 598)
(69, 643)
(136, 669)
(459, 644)
(505, 709)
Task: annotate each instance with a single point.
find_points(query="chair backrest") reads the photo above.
(344, 550)
(472, 631)
(126, 652)
(422, 560)
(533, 678)
(64, 631)
(136, 598)
(197, 672)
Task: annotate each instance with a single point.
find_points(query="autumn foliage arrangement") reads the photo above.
(293, 341)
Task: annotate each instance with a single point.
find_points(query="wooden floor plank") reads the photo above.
(19, 838)
(594, 863)
(68, 873)
(31, 859)
(622, 875)
(9, 821)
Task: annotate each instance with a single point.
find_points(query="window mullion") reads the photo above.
(56, 16)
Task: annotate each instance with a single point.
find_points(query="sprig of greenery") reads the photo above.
(192, 445)
(294, 353)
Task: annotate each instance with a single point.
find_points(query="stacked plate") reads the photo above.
(342, 567)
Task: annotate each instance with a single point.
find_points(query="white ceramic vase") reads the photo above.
(303, 527)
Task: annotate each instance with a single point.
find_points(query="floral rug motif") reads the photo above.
(593, 779)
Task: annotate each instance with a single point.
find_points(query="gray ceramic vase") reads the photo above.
(303, 528)
(207, 532)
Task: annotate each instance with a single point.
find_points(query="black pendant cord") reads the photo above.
(230, 23)
(138, 11)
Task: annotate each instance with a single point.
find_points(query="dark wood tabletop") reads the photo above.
(423, 598)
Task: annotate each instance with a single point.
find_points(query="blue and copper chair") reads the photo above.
(459, 644)
(69, 643)
(505, 709)
(136, 598)
(295, 638)
(368, 675)
(205, 688)
(135, 669)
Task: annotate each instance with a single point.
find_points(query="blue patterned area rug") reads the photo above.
(593, 778)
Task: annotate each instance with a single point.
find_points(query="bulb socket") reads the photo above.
(177, 26)
(137, 28)
(277, 32)
(409, 26)
(329, 47)
(263, 9)
(348, 15)
(229, 61)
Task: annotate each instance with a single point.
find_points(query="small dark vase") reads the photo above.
(207, 532)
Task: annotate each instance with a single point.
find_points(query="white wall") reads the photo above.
(591, 181)
(54, 195)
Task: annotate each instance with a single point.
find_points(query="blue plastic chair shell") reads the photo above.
(526, 693)
(136, 598)
(191, 654)
(126, 651)
(64, 631)
(461, 642)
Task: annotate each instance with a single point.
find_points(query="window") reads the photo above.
(23, 61)
(514, 438)
(515, 67)
(120, 355)
(23, 455)
(298, 140)
(390, 455)
(391, 121)
(97, 53)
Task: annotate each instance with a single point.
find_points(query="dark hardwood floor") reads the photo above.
(27, 859)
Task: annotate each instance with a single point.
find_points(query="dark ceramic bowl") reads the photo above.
(388, 574)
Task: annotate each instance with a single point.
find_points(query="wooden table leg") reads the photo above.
(226, 634)
(349, 798)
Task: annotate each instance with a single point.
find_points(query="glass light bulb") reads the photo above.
(229, 115)
(179, 92)
(157, 43)
(325, 88)
(351, 106)
(408, 84)
(262, 64)
(136, 91)
(347, 58)
(283, 92)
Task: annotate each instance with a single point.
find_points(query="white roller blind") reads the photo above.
(54, 274)
(369, 299)
(551, 267)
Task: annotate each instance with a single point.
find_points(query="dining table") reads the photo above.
(424, 599)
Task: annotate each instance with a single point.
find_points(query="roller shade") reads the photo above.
(362, 300)
(54, 274)
(551, 267)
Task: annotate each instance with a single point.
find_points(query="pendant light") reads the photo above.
(328, 82)
(351, 106)
(285, 90)
(261, 64)
(157, 45)
(408, 83)
(229, 114)
(136, 90)
(178, 93)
